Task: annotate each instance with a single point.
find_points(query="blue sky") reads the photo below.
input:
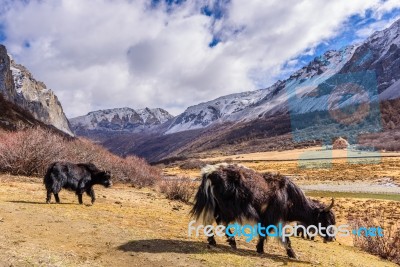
(175, 53)
(348, 34)
(2, 34)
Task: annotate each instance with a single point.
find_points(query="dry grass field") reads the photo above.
(139, 227)
(314, 165)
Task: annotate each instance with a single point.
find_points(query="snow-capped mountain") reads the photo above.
(18, 86)
(121, 119)
(380, 54)
(204, 114)
(253, 104)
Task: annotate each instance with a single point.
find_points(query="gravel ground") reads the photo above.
(381, 186)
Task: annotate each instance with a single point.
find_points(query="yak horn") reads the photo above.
(330, 206)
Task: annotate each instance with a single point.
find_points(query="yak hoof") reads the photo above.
(212, 242)
(232, 243)
(260, 248)
(291, 254)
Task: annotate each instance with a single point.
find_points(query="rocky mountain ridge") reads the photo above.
(120, 119)
(18, 86)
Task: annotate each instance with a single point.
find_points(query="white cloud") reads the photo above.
(103, 54)
(369, 29)
(385, 7)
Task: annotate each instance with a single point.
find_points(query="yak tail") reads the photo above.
(48, 173)
(204, 201)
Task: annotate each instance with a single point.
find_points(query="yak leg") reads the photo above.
(230, 239)
(80, 198)
(211, 241)
(260, 244)
(312, 237)
(261, 241)
(57, 197)
(48, 198)
(92, 195)
(287, 244)
(301, 233)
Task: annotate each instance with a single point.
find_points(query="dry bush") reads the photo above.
(387, 246)
(31, 151)
(181, 188)
(387, 140)
(192, 164)
(132, 169)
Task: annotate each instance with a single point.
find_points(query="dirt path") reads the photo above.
(311, 153)
(131, 227)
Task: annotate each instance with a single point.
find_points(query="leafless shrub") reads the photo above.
(181, 189)
(386, 246)
(132, 169)
(31, 151)
(387, 140)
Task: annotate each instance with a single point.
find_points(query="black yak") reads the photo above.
(234, 193)
(77, 177)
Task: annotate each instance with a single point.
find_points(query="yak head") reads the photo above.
(103, 178)
(325, 217)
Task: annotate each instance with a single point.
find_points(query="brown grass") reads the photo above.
(138, 227)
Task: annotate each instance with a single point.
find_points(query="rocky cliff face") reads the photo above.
(120, 119)
(6, 79)
(18, 86)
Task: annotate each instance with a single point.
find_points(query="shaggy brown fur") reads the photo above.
(230, 193)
